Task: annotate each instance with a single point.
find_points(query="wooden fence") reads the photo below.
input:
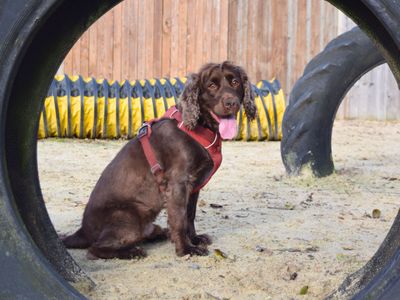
(270, 38)
(375, 96)
(157, 38)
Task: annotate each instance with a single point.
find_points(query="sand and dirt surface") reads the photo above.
(278, 234)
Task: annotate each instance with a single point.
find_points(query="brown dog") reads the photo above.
(128, 196)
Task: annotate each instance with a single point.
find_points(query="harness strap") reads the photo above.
(209, 140)
(155, 166)
(202, 135)
(143, 136)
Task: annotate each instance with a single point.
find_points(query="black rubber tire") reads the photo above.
(380, 20)
(315, 98)
(35, 36)
(308, 121)
(380, 277)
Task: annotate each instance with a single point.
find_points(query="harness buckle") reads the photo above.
(155, 169)
(142, 131)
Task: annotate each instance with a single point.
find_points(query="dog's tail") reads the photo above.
(77, 240)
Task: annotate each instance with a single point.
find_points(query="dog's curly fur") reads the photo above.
(189, 102)
(127, 198)
(248, 99)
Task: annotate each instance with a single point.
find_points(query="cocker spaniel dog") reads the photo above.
(165, 166)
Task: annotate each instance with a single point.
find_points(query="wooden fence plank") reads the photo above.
(214, 30)
(198, 37)
(148, 44)
(278, 58)
(242, 32)
(84, 55)
(315, 28)
(267, 40)
(182, 35)
(117, 43)
(76, 58)
(207, 32)
(67, 64)
(174, 37)
(133, 38)
(125, 41)
(232, 29)
(192, 24)
(300, 46)
(107, 63)
(250, 24)
(223, 31)
(259, 56)
(141, 32)
(93, 50)
(101, 51)
(157, 35)
(166, 39)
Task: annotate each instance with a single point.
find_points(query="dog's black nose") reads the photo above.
(231, 103)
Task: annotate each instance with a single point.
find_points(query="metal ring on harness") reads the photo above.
(142, 131)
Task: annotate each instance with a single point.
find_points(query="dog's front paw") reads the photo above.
(201, 239)
(192, 250)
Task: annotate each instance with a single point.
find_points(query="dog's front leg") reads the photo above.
(177, 198)
(191, 214)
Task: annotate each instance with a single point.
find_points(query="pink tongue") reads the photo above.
(228, 128)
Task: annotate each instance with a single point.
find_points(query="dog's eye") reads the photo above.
(235, 82)
(212, 86)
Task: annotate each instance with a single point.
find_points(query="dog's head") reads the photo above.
(213, 98)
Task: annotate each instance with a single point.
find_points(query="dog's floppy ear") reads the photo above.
(189, 102)
(248, 98)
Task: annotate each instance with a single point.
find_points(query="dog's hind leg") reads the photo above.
(119, 238)
(77, 240)
(112, 244)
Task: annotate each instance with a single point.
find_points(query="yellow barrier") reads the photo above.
(90, 108)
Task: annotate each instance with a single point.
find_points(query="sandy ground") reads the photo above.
(279, 234)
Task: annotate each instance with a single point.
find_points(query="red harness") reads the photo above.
(210, 140)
